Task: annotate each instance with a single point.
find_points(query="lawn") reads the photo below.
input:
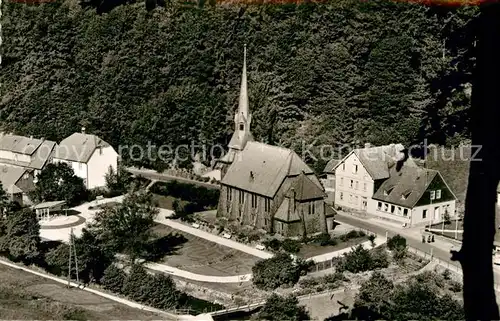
(198, 255)
(165, 202)
(312, 249)
(25, 296)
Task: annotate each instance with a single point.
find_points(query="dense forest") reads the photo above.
(343, 72)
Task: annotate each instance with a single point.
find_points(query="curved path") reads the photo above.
(80, 220)
(163, 218)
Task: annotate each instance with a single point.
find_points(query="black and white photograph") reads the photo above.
(229, 160)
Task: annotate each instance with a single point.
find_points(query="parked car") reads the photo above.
(195, 225)
(260, 247)
(226, 235)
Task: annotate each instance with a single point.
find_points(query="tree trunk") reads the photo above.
(475, 255)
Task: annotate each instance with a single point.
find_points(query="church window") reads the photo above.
(242, 126)
(311, 208)
(267, 205)
(241, 197)
(254, 201)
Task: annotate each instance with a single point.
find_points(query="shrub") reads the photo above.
(447, 274)
(113, 279)
(290, 246)
(360, 260)
(136, 284)
(371, 238)
(323, 239)
(455, 286)
(269, 274)
(397, 241)
(399, 253)
(203, 196)
(76, 314)
(380, 259)
(309, 283)
(273, 244)
(254, 237)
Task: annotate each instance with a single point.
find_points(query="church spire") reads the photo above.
(243, 117)
(243, 103)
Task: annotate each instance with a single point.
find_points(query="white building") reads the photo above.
(29, 153)
(378, 180)
(89, 156)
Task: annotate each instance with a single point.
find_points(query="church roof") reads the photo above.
(305, 189)
(285, 214)
(239, 139)
(261, 168)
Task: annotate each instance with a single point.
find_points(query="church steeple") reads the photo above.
(243, 103)
(243, 117)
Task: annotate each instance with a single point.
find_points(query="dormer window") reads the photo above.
(388, 191)
(405, 195)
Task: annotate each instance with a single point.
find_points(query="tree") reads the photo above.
(136, 285)
(397, 244)
(22, 236)
(360, 259)
(373, 300)
(290, 246)
(93, 258)
(279, 308)
(117, 182)
(397, 241)
(126, 227)
(418, 298)
(57, 182)
(164, 294)
(113, 279)
(279, 270)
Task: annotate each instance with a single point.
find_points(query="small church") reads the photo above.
(269, 187)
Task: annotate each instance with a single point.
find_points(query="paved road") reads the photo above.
(153, 175)
(440, 249)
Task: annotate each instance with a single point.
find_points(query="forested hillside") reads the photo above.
(369, 71)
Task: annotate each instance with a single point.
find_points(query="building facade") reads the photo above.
(269, 187)
(383, 182)
(89, 156)
(30, 153)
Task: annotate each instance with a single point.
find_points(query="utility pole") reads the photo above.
(72, 254)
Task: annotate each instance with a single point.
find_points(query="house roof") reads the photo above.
(261, 168)
(409, 181)
(378, 160)
(40, 150)
(305, 189)
(331, 165)
(20, 144)
(79, 147)
(9, 176)
(49, 205)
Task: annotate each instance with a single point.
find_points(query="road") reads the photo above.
(151, 174)
(412, 239)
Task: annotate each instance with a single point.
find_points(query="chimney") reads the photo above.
(31, 137)
(83, 130)
(368, 145)
(251, 176)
